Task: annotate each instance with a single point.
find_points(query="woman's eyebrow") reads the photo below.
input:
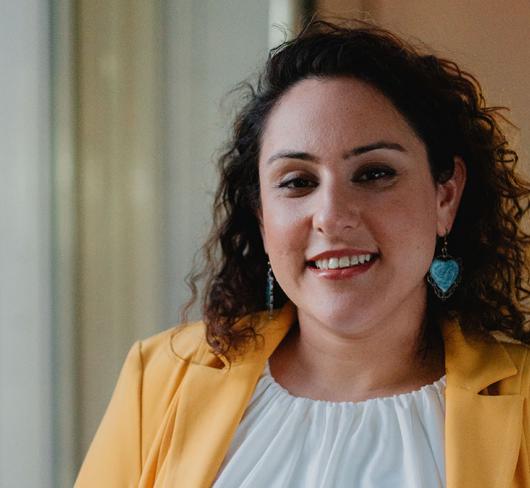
(356, 151)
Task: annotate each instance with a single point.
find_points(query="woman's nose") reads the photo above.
(335, 212)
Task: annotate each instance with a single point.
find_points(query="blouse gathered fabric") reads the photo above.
(284, 440)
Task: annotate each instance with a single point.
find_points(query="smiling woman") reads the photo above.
(358, 183)
(342, 343)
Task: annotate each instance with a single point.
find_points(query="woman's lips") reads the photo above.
(343, 273)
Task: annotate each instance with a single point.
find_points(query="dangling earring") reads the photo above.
(445, 272)
(269, 291)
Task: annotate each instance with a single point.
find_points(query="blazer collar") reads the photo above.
(271, 332)
(473, 363)
(482, 432)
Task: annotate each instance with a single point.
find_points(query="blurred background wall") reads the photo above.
(112, 114)
(25, 245)
(488, 38)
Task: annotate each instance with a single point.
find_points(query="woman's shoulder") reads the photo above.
(188, 342)
(183, 342)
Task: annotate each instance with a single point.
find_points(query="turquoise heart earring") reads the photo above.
(445, 272)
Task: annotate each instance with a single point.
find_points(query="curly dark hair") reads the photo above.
(445, 107)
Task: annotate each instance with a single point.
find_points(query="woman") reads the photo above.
(368, 218)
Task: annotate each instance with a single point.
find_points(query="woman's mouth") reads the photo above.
(342, 267)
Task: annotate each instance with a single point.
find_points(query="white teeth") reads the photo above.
(343, 261)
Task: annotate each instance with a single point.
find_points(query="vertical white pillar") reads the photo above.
(25, 215)
(65, 244)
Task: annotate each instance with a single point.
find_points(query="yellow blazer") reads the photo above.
(176, 407)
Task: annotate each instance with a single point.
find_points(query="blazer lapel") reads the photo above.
(211, 404)
(483, 432)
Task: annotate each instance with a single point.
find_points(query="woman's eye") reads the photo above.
(297, 182)
(373, 174)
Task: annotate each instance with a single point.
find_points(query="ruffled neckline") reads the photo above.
(435, 387)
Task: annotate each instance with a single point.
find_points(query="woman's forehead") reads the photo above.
(318, 112)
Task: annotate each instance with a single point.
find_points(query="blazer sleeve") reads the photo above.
(114, 457)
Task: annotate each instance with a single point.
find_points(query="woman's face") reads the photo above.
(349, 209)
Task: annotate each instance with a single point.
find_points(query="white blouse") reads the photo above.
(288, 441)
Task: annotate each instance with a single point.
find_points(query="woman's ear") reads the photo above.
(449, 194)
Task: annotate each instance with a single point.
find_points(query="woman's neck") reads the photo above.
(317, 362)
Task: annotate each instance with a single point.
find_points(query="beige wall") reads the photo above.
(119, 193)
(488, 38)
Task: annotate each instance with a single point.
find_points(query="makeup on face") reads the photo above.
(349, 207)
